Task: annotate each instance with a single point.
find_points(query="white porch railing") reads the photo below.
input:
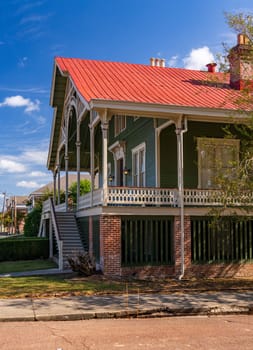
(60, 207)
(141, 196)
(133, 196)
(197, 197)
(97, 199)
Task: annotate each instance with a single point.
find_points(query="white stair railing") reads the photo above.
(57, 235)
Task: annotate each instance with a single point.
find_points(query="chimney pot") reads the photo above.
(162, 62)
(242, 39)
(152, 61)
(211, 67)
(157, 62)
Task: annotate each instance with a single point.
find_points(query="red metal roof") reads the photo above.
(115, 81)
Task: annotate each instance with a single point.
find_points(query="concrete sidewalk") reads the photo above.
(123, 306)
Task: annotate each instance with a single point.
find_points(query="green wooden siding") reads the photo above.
(96, 238)
(136, 132)
(168, 151)
(168, 158)
(146, 241)
(142, 130)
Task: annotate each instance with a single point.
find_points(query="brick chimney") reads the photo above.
(241, 63)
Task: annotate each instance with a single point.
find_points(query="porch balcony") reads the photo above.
(147, 196)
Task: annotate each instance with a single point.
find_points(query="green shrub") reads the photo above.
(24, 249)
(32, 222)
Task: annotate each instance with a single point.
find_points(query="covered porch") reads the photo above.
(158, 197)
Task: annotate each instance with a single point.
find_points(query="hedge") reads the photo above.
(24, 249)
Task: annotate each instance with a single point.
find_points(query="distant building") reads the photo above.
(40, 192)
(16, 207)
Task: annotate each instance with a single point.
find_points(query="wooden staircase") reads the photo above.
(70, 236)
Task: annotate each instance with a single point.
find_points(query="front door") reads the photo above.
(119, 175)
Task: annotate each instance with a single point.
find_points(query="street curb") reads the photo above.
(144, 313)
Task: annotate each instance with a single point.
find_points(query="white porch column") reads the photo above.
(58, 184)
(104, 126)
(157, 157)
(66, 178)
(181, 128)
(92, 163)
(180, 163)
(54, 188)
(78, 163)
(50, 239)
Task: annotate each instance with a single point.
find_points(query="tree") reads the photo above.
(85, 187)
(237, 182)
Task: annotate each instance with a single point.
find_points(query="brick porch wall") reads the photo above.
(143, 272)
(110, 245)
(177, 244)
(220, 270)
(110, 254)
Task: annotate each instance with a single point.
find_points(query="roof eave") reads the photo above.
(158, 111)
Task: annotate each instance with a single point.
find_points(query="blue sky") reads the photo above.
(186, 33)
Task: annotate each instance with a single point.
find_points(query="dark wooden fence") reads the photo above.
(146, 241)
(227, 241)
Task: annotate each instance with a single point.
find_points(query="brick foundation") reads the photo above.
(110, 245)
(220, 271)
(143, 272)
(110, 256)
(177, 244)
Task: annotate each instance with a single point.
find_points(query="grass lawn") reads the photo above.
(25, 265)
(59, 285)
(71, 284)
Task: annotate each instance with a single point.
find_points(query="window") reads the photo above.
(138, 165)
(216, 157)
(119, 124)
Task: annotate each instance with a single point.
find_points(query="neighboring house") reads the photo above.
(38, 194)
(151, 134)
(16, 207)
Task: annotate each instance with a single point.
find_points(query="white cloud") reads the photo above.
(198, 58)
(22, 62)
(28, 184)
(10, 165)
(35, 156)
(20, 101)
(34, 18)
(33, 90)
(172, 62)
(38, 174)
(41, 120)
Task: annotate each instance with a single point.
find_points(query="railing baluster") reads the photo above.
(120, 196)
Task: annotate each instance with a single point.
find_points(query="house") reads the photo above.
(16, 208)
(151, 135)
